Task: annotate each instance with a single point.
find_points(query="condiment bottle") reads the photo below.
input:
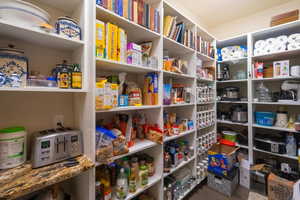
(63, 76)
(150, 165)
(104, 178)
(143, 175)
(133, 180)
(122, 185)
(76, 77)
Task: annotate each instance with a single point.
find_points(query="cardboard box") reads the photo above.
(245, 173)
(281, 68)
(221, 158)
(285, 18)
(279, 188)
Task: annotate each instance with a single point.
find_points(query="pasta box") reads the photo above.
(221, 159)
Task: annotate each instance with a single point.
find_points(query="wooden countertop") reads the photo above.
(24, 180)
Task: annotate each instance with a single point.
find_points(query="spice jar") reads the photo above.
(150, 165)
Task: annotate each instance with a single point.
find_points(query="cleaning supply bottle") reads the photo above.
(122, 185)
(291, 146)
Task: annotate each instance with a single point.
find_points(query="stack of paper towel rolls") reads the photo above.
(277, 44)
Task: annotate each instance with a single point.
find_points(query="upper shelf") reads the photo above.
(111, 65)
(140, 33)
(279, 55)
(284, 29)
(37, 36)
(236, 40)
(175, 48)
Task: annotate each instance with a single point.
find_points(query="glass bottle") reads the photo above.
(104, 177)
(76, 76)
(133, 180)
(122, 185)
(143, 175)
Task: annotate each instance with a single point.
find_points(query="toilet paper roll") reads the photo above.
(282, 39)
(260, 44)
(259, 51)
(294, 38)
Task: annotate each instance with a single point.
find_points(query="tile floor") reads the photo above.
(203, 192)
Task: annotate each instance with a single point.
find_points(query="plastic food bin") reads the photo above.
(265, 118)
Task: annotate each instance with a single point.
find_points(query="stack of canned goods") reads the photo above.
(205, 93)
(205, 119)
(201, 169)
(205, 142)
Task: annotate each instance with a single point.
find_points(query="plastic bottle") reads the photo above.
(122, 185)
(104, 177)
(291, 146)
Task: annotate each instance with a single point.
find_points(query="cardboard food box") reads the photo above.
(285, 18)
(279, 188)
(221, 158)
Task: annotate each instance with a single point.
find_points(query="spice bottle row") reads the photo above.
(118, 179)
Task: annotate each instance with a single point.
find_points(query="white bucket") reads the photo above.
(12, 147)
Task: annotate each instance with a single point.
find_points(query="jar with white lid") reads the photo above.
(12, 147)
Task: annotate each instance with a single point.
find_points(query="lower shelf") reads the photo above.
(231, 122)
(140, 145)
(275, 128)
(152, 180)
(179, 166)
(277, 154)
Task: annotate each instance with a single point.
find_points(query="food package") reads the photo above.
(155, 135)
(100, 39)
(150, 89)
(134, 94)
(119, 144)
(104, 145)
(106, 95)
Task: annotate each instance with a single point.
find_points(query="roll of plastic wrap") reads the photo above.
(260, 44)
(294, 38)
(282, 39)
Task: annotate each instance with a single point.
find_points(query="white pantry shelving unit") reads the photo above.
(36, 108)
(137, 33)
(41, 105)
(271, 83)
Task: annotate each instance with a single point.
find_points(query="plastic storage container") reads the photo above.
(229, 135)
(265, 118)
(223, 184)
(12, 147)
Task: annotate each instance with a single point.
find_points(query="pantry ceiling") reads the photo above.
(214, 12)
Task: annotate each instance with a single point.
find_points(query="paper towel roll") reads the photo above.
(294, 38)
(260, 44)
(282, 39)
(293, 46)
(271, 41)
